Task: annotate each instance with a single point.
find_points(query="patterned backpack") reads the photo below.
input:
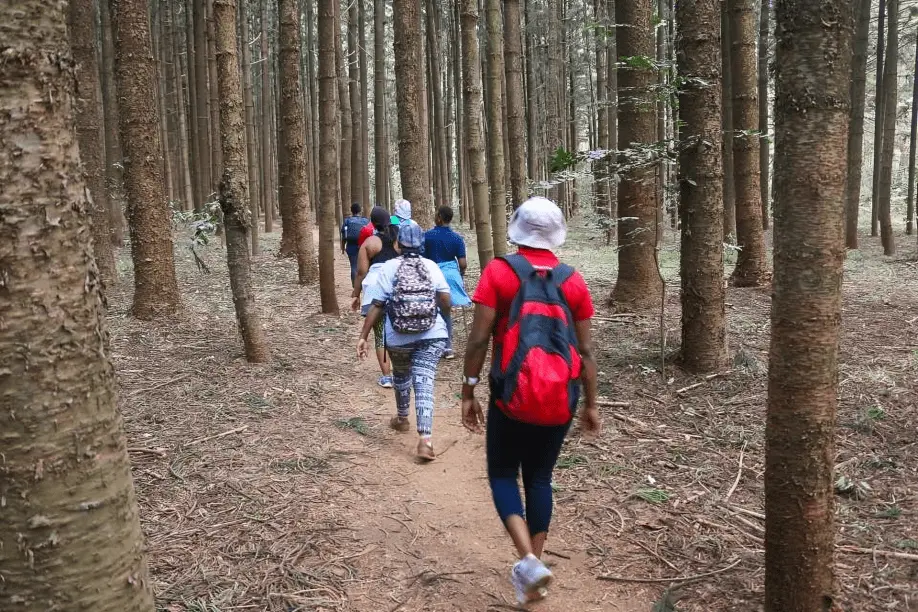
(413, 306)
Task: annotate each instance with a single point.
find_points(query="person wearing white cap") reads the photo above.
(542, 354)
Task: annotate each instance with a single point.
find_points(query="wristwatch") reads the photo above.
(470, 380)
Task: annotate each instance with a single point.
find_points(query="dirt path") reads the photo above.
(437, 541)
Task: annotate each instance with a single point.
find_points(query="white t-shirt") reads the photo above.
(385, 282)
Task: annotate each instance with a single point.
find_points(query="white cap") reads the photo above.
(538, 223)
(403, 209)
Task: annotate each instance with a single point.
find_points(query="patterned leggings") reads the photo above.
(416, 363)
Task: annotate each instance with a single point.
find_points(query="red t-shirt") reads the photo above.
(365, 232)
(499, 285)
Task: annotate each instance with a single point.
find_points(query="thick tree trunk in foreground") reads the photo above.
(328, 153)
(890, 102)
(856, 134)
(155, 288)
(704, 346)
(294, 190)
(380, 132)
(413, 145)
(811, 130)
(638, 287)
(234, 187)
(82, 28)
(910, 199)
(474, 139)
(751, 263)
(878, 122)
(70, 533)
(764, 109)
(496, 168)
(516, 118)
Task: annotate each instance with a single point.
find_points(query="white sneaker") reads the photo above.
(530, 578)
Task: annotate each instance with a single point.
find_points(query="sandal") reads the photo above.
(425, 450)
(399, 424)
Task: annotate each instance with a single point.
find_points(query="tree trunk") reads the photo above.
(461, 165)
(496, 170)
(251, 145)
(344, 117)
(82, 29)
(601, 171)
(380, 142)
(114, 158)
(216, 155)
(751, 264)
(612, 112)
(438, 138)
(267, 129)
(413, 153)
(910, 201)
(532, 144)
(364, 108)
(856, 135)
(155, 288)
(704, 346)
(202, 97)
(291, 133)
(729, 184)
(890, 102)
(181, 118)
(764, 142)
(878, 122)
(70, 531)
(162, 106)
(197, 160)
(328, 151)
(811, 133)
(516, 118)
(639, 286)
(234, 186)
(474, 139)
(358, 163)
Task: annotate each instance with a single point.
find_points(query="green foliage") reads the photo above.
(892, 512)
(907, 543)
(561, 159)
(653, 496)
(570, 461)
(354, 424)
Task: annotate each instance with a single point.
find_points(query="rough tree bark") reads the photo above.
(638, 286)
(701, 187)
(358, 163)
(729, 184)
(496, 169)
(195, 160)
(216, 156)
(764, 109)
(910, 199)
(155, 288)
(82, 28)
(878, 122)
(812, 96)
(380, 141)
(472, 101)
(268, 193)
(364, 107)
(114, 158)
(856, 134)
(751, 264)
(183, 138)
(890, 102)
(346, 133)
(516, 117)
(251, 145)
(234, 186)
(70, 532)
(202, 98)
(328, 152)
(291, 133)
(413, 145)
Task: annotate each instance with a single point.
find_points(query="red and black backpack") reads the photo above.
(535, 372)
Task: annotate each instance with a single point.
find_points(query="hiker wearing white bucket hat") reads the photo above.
(538, 224)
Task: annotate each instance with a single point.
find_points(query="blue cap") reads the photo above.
(410, 235)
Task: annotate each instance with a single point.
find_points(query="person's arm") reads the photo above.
(444, 302)
(373, 316)
(462, 265)
(589, 418)
(343, 235)
(476, 351)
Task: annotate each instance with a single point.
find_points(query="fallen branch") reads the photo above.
(631, 420)
(739, 474)
(611, 404)
(706, 379)
(680, 579)
(880, 553)
(162, 384)
(219, 435)
(556, 554)
(148, 451)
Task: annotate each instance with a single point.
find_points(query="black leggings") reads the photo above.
(512, 446)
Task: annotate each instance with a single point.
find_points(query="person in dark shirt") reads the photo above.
(446, 248)
(350, 231)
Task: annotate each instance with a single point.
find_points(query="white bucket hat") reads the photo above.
(403, 209)
(538, 223)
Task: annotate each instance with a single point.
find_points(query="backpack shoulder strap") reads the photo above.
(520, 265)
(561, 273)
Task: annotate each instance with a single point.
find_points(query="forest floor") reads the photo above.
(278, 486)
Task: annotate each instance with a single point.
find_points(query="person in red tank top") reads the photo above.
(536, 227)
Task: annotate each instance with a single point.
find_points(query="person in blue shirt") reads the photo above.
(446, 248)
(350, 232)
